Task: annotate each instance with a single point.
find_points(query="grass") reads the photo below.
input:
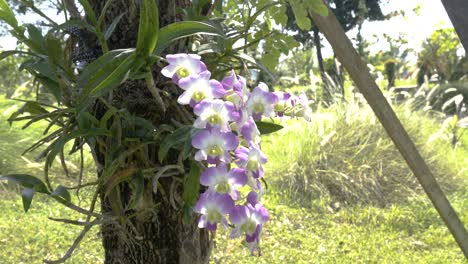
(373, 213)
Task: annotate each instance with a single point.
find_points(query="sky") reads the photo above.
(432, 16)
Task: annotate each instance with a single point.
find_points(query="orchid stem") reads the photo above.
(154, 91)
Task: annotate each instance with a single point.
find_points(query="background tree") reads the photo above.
(441, 55)
(349, 13)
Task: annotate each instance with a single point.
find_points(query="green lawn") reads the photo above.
(303, 227)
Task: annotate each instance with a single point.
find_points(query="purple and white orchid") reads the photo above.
(214, 145)
(249, 220)
(214, 113)
(226, 114)
(198, 87)
(220, 180)
(261, 102)
(251, 159)
(235, 87)
(282, 102)
(250, 132)
(213, 207)
(182, 66)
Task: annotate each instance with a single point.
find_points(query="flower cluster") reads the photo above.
(228, 142)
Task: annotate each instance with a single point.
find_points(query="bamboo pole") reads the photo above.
(359, 72)
(457, 10)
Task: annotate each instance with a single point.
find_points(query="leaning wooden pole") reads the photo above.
(359, 72)
(457, 10)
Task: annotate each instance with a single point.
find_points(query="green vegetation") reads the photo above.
(338, 192)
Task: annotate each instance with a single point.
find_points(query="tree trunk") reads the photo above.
(157, 233)
(318, 47)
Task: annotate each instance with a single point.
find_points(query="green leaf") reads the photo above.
(89, 12)
(109, 113)
(148, 29)
(192, 185)
(27, 195)
(35, 37)
(26, 181)
(317, 6)
(267, 127)
(301, 14)
(50, 86)
(8, 53)
(59, 144)
(62, 192)
(54, 50)
(137, 185)
(31, 107)
(107, 72)
(7, 15)
(112, 26)
(177, 138)
(183, 29)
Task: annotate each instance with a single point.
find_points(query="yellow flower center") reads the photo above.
(279, 107)
(182, 72)
(215, 119)
(252, 164)
(223, 187)
(198, 96)
(215, 151)
(213, 216)
(259, 108)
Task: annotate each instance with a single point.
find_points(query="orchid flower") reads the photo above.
(249, 220)
(182, 66)
(261, 102)
(220, 180)
(214, 113)
(251, 159)
(198, 87)
(213, 207)
(214, 145)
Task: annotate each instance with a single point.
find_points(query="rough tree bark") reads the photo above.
(159, 234)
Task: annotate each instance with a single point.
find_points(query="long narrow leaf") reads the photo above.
(112, 26)
(148, 28)
(27, 195)
(89, 12)
(7, 15)
(183, 29)
(26, 181)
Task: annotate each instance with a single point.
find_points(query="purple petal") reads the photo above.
(217, 89)
(224, 203)
(242, 153)
(237, 177)
(230, 141)
(239, 214)
(211, 226)
(198, 141)
(208, 177)
(261, 213)
(200, 155)
(252, 198)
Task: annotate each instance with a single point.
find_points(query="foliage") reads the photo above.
(440, 55)
(346, 156)
(348, 12)
(13, 82)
